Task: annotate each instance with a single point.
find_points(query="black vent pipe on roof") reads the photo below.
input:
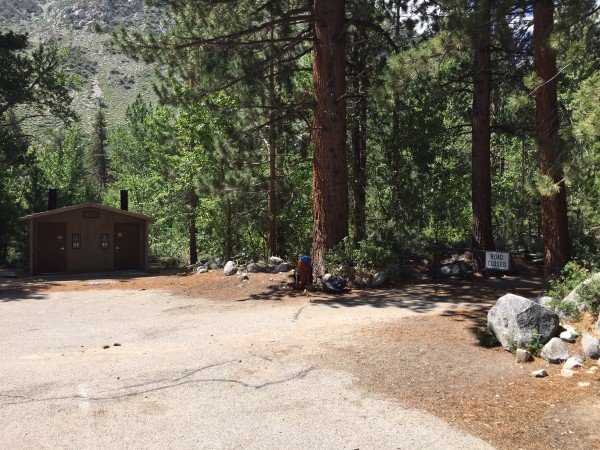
(125, 200)
(52, 199)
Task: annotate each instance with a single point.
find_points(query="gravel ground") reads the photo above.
(190, 373)
(207, 361)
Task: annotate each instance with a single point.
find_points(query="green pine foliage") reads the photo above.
(234, 80)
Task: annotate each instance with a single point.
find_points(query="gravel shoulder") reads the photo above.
(215, 362)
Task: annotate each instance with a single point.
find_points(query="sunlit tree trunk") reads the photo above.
(481, 189)
(555, 227)
(359, 156)
(272, 198)
(192, 196)
(330, 173)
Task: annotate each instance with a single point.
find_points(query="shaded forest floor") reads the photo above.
(429, 361)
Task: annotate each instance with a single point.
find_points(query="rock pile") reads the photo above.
(520, 324)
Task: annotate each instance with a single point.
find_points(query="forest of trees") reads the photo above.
(380, 128)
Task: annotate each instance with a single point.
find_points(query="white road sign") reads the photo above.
(497, 260)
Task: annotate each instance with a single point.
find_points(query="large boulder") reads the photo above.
(517, 321)
(591, 346)
(555, 351)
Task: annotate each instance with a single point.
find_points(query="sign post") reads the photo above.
(497, 260)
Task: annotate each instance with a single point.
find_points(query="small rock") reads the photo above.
(539, 373)
(105, 347)
(334, 284)
(230, 268)
(8, 274)
(567, 373)
(245, 277)
(242, 271)
(568, 336)
(116, 344)
(555, 351)
(523, 356)
(543, 301)
(592, 370)
(283, 267)
(446, 271)
(202, 269)
(591, 346)
(257, 267)
(583, 384)
(378, 279)
(597, 327)
(574, 362)
(275, 260)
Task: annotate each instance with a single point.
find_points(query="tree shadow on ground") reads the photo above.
(421, 295)
(23, 287)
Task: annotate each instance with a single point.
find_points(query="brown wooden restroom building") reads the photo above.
(87, 238)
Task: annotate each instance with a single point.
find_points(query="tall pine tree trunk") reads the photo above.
(359, 155)
(330, 173)
(555, 227)
(481, 189)
(272, 198)
(192, 196)
(193, 204)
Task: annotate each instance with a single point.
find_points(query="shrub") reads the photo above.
(573, 276)
(486, 338)
(589, 294)
(535, 346)
(348, 258)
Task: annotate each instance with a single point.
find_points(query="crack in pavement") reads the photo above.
(299, 375)
(210, 366)
(298, 314)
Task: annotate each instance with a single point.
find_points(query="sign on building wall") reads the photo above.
(497, 260)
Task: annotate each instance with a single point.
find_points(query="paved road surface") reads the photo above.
(190, 373)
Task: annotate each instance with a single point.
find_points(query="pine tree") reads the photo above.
(555, 227)
(481, 190)
(98, 154)
(235, 31)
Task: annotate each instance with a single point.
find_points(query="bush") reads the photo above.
(589, 294)
(486, 338)
(348, 258)
(535, 346)
(573, 276)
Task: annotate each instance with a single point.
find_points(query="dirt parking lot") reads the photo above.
(207, 361)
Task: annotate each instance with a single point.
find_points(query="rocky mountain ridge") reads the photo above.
(109, 79)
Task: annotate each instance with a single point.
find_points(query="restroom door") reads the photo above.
(127, 246)
(52, 244)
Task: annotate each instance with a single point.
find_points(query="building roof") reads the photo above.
(86, 205)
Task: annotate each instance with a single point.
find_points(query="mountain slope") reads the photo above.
(82, 28)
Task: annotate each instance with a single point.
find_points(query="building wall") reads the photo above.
(90, 256)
